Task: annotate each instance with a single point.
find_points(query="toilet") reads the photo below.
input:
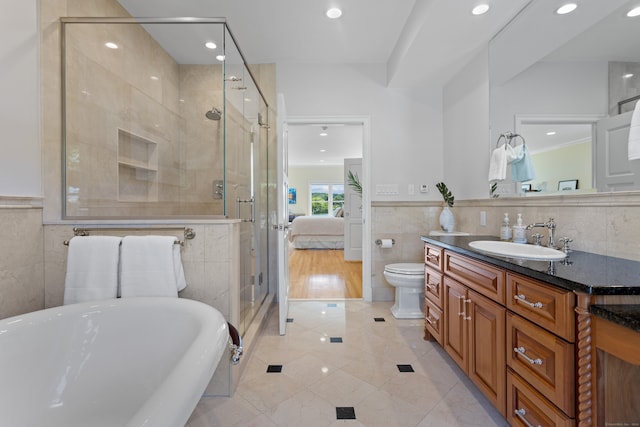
(408, 279)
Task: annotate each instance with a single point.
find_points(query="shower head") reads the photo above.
(213, 114)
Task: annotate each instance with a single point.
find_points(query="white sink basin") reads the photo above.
(518, 250)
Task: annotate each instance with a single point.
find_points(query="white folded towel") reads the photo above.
(500, 157)
(634, 134)
(150, 266)
(92, 269)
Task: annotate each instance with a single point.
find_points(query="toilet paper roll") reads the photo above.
(386, 243)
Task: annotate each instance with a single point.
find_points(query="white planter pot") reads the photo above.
(447, 221)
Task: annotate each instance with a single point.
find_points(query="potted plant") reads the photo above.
(447, 220)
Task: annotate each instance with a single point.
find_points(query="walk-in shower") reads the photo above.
(138, 144)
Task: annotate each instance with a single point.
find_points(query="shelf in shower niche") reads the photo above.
(137, 168)
(137, 151)
(137, 165)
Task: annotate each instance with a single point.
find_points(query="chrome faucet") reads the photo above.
(551, 226)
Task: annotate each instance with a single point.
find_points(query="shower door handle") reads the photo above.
(253, 209)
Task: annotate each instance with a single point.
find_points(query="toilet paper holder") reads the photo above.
(379, 242)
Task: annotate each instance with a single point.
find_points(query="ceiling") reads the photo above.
(423, 43)
(340, 142)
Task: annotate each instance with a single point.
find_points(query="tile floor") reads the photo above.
(321, 380)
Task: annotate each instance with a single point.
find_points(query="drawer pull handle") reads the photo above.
(521, 351)
(523, 298)
(520, 413)
(430, 320)
(431, 257)
(431, 285)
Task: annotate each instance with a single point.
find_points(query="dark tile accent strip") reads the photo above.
(332, 305)
(345, 413)
(378, 319)
(274, 369)
(335, 339)
(289, 319)
(405, 368)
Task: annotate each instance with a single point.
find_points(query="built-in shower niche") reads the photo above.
(137, 168)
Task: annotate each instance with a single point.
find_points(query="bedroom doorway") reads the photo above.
(317, 150)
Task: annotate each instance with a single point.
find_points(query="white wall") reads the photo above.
(20, 166)
(550, 88)
(406, 126)
(466, 130)
(301, 177)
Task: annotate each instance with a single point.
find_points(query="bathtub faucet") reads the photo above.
(551, 226)
(235, 344)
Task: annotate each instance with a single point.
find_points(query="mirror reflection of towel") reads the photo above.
(634, 134)
(522, 167)
(500, 157)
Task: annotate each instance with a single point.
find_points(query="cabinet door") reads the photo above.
(455, 327)
(487, 347)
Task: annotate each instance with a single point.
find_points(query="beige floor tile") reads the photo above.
(361, 371)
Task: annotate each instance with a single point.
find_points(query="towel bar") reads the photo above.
(189, 233)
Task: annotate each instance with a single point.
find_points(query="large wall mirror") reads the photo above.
(568, 85)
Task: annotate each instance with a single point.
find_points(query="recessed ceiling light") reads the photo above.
(551, 133)
(566, 8)
(220, 57)
(627, 76)
(634, 12)
(334, 13)
(154, 78)
(111, 45)
(210, 45)
(323, 134)
(323, 151)
(480, 9)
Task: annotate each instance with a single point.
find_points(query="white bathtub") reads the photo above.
(126, 362)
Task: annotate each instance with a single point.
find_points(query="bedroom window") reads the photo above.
(326, 199)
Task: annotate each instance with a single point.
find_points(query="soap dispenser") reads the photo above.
(505, 229)
(519, 231)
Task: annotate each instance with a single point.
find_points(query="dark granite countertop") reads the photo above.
(580, 271)
(624, 315)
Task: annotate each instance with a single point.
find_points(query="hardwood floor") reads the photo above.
(323, 274)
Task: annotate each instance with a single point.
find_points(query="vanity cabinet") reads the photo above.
(512, 335)
(548, 344)
(474, 331)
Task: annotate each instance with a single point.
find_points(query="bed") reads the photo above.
(317, 232)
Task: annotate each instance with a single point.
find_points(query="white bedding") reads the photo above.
(309, 232)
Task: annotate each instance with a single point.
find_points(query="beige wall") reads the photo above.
(606, 224)
(21, 256)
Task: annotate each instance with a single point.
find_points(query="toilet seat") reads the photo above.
(407, 268)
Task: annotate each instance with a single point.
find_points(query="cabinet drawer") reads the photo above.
(526, 407)
(433, 286)
(433, 320)
(433, 256)
(483, 278)
(545, 305)
(543, 360)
